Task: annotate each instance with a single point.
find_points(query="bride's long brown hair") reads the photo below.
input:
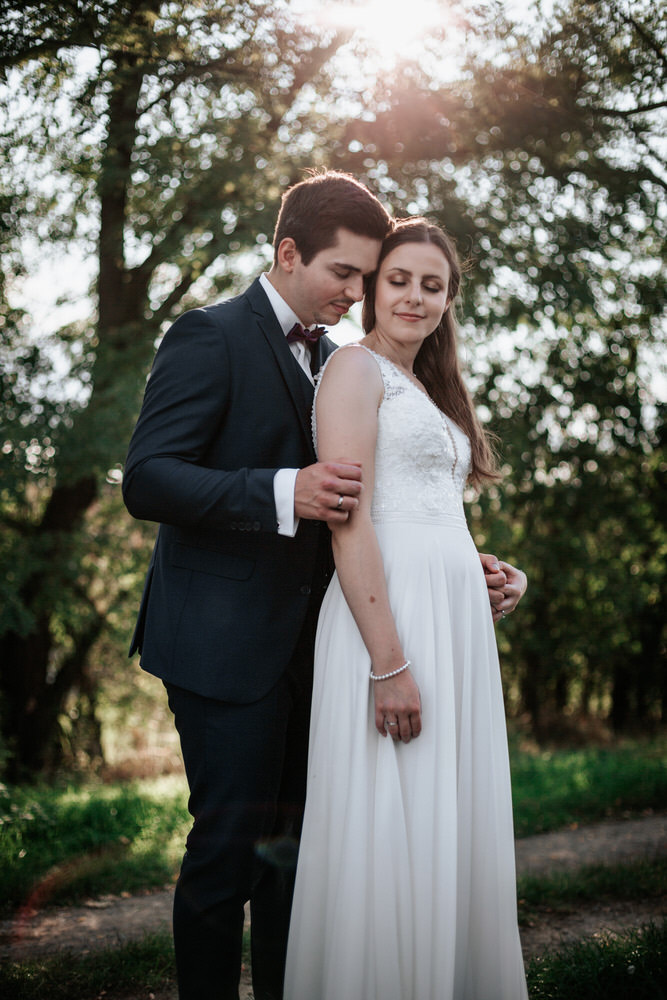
(437, 363)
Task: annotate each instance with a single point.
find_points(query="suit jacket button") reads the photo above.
(232, 525)
(305, 589)
(256, 525)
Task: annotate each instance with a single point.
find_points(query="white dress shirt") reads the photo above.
(284, 481)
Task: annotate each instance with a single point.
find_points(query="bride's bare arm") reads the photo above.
(347, 408)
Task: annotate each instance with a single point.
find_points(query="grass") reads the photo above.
(629, 967)
(59, 845)
(555, 789)
(569, 890)
(62, 844)
(138, 968)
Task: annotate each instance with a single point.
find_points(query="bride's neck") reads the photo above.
(401, 355)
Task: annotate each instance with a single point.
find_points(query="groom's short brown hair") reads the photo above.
(312, 212)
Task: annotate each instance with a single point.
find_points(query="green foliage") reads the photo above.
(61, 845)
(627, 967)
(157, 139)
(149, 133)
(543, 159)
(594, 884)
(554, 789)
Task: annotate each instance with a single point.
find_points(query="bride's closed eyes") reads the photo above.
(400, 282)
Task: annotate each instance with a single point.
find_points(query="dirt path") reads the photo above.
(611, 842)
(111, 921)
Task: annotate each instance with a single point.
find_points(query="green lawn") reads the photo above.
(555, 789)
(630, 967)
(565, 891)
(60, 844)
(140, 968)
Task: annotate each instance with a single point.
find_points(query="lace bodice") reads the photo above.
(422, 458)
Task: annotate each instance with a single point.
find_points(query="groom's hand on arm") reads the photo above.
(319, 488)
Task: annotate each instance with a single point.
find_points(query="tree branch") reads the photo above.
(21, 527)
(40, 50)
(655, 178)
(164, 311)
(188, 278)
(644, 34)
(629, 112)
(307, 68)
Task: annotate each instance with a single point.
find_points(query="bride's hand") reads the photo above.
(398, 707)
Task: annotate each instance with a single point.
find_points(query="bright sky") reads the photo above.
(394, 28)
(397, 29)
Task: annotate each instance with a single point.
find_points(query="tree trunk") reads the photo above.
(532, 693)
(33, 690)
(620, 696)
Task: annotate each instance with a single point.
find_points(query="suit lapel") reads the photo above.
(296, 380)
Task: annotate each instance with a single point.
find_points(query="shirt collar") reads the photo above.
(284, 313)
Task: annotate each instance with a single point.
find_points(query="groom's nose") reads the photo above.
(354, 288)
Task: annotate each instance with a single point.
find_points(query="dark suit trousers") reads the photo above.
(246, 768)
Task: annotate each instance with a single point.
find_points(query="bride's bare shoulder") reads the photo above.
(351, 361)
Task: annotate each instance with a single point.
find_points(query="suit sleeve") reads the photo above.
(187, 396)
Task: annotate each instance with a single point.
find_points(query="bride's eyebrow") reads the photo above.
(425, 277)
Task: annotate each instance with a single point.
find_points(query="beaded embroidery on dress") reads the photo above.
(416, 443)
(405, 884)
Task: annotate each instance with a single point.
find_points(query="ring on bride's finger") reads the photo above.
(340, 502)
(503, 613)
(388, 723)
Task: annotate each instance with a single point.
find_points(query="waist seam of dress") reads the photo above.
(447, 520)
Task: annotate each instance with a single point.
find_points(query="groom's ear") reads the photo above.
(287, 255)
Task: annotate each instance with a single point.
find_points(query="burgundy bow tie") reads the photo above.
(310, 336)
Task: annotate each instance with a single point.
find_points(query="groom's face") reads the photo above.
(323, 290)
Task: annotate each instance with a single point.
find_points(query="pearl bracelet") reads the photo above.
(392, 673)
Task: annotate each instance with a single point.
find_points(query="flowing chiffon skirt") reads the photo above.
(406, 879)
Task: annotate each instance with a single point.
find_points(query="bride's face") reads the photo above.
(411, 293)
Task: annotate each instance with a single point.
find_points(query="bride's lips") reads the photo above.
(410, 317)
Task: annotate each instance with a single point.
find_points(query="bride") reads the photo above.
(405, 884)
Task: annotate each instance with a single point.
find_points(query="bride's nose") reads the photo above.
(414, 292)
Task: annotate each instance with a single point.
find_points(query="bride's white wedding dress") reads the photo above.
(405, 885)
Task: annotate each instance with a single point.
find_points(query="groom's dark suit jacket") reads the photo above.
(225, 598)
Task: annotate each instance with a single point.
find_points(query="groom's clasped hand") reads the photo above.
(328, 491)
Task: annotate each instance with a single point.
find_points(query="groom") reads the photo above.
(222, 458)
